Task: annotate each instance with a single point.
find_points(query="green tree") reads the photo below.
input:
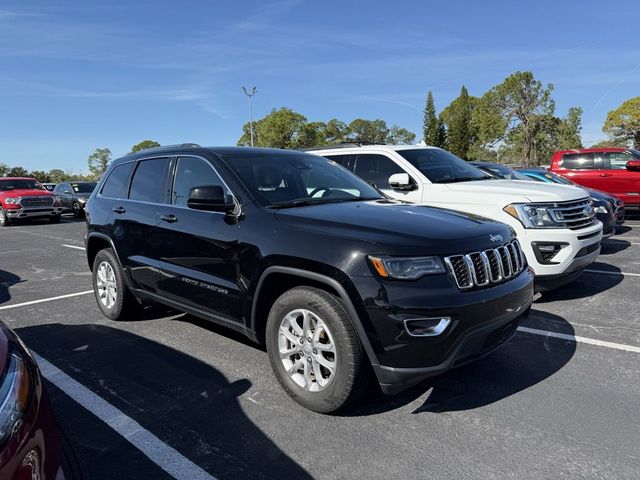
(458, 120)
(569, 130)
(623, 123)
(368, 131)
(143, 145)
(4, 169)
(442, 139)
(336, 131)
(609, 143)
(279, 129)
(40, 176)
(17, 172)
(400, 136)
(514, 103)
(311, 134)
(98, 162)
(430, 123)
(56, 175)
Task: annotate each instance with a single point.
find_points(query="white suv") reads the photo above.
(555, 224)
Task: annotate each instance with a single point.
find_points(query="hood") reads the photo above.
(26, 193)
(518, 191)
(598, 195)
(398, 228)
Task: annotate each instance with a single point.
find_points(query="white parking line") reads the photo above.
(74, 246)
(604, 272)
(575, 338)
(33, 302)
(164, 456)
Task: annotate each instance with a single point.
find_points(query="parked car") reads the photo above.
(497, 170)
(27, 198)
(615, 171)
(74, 195)
(556, 225)
(295, 251)
(609, 209)
(49, 186)
(30, 445)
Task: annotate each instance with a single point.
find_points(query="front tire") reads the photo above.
(314, 350)
(110, 289)
(77, 210)
(4, 220)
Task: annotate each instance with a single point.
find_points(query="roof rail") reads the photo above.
(165, 147)
(340, 145)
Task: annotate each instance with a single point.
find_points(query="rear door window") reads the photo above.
(116, 181)
(376, 169)
(616, 160)
(149, 181)
(578, 161)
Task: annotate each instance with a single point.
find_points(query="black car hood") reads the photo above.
(398, 228)
(597, 194)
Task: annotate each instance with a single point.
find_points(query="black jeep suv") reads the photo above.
(293, 250)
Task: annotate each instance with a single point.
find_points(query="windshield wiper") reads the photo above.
(460, 179)
(302, 202)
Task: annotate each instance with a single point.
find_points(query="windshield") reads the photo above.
(508, 173)
(635, 153)
(84, 187)
(26, 184)
(440, 166)
(290, 180)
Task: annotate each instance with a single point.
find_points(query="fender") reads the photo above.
(105, 237)
(317, 277)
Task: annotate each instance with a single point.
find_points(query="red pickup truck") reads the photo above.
(612, 170)
(27, 198)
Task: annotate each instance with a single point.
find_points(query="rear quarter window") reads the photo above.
(578, 161)
(117, 180)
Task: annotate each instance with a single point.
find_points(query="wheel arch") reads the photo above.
(284, 278)
(98, 241)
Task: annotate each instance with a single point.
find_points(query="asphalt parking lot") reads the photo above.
(171, 393)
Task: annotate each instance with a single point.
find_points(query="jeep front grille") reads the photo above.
(574, 215)
(36, 201)
(479, 269)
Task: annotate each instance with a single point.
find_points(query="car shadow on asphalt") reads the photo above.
(521, 363)
(188, 404)
(613, 245)
(585, 286)
(7, 280)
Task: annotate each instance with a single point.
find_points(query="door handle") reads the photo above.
(606, 175)
(119, 210)
(169, 218)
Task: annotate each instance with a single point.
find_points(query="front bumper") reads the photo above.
(18, 213)
(480, 321)
(578, 249)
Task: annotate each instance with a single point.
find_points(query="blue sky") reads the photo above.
(80, 75)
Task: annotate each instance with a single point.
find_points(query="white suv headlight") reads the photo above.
(532, 216)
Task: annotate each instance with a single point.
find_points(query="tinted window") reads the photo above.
(300, 178)
(578, 161)
(83, 187)
(340, 159)
(617, 160)
(114, 184)
(376, 169)
(192, 172)
(28, 184)
(440, 166)
(148, 181)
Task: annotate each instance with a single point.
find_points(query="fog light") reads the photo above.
(545, 252)
(426, 327)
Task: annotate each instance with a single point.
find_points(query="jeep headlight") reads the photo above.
(600, 209)
(12, 200)
(15, 392)
(532, 216)
(406, 268)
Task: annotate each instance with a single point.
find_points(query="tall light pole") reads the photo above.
(250, 95)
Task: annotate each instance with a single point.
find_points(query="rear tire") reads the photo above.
(327, 373)
(77, 210)
(110, 289)
(4, 220)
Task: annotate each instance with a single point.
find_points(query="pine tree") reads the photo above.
(459, 131)
(442, 139)
(430, 123)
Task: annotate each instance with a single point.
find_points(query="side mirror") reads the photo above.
(401, 181)
(210, 198)
(633, 165)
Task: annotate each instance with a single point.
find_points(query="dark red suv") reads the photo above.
(612, 170)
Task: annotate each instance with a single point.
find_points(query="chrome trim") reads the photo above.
(440, 327)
